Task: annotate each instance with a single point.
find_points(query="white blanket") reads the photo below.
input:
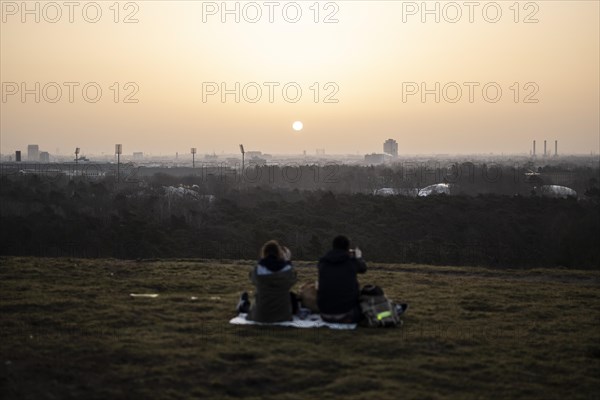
(312, 321)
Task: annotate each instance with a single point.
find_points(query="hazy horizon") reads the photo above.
(186, 155)
(369, 61)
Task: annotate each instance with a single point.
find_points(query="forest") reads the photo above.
(502, 223)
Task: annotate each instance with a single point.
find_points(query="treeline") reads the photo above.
(465, 178)
(82, 218)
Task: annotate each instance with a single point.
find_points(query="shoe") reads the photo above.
(401, 308)
(244, 303)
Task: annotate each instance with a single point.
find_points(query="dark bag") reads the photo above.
(377, 309)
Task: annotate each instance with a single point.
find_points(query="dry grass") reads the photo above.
(69, 329)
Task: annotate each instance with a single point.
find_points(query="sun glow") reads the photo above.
(297, 126)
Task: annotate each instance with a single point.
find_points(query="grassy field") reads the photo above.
(70, 329)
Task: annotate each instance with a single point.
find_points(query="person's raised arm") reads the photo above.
(361, 264)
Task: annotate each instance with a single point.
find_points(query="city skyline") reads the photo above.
(390, 148)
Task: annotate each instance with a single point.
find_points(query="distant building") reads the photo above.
(438, 188)
(33, 152)
(18, 155)
(257, 161)
(374, 158)
(390, 147)
(138, 155)
(44, 157)
(252, 154)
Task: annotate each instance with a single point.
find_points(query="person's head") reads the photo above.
(271, 249)
(341, 243)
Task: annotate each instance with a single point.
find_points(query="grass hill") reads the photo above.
(70, 329)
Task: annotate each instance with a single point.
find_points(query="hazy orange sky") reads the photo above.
(371, 57)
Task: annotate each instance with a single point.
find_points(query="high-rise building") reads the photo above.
(390, 147)
(33, 152)
(44, 157)
(18, 156)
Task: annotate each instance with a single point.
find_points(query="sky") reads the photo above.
(163, 76)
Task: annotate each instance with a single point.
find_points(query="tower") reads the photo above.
(390, 147)
(193, 151)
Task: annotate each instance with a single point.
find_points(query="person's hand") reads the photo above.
(287, 254)
(357, 253)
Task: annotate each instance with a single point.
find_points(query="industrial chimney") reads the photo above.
(534, 148)
(556, 148)
(545, 152)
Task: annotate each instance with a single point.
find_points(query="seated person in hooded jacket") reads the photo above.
(338, 288)
(273, 278)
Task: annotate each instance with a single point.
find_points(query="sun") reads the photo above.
(297, 125)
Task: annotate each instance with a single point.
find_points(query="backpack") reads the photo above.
(377, 309)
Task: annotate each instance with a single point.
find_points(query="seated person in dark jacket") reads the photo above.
(273, 277)
(338, 289)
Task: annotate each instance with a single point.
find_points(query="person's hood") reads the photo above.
(273, 264)
(335, 256)
(283, 279)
